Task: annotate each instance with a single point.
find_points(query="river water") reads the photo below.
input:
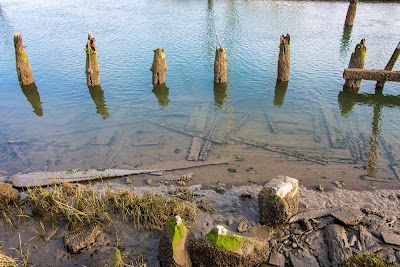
(61, 124)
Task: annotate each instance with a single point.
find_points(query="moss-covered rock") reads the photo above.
(223, 248)
(172, 247)
(366, 260)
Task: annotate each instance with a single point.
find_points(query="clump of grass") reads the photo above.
(366, 260)
(151, 211)
(6, 261)
(82, 205)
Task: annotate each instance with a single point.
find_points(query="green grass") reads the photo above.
(230, 242)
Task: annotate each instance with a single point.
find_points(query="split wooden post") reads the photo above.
(389, 66)
(284, 59)
(92, 66)
(351, 13)
(220, 65)
(24, 70)
(356, 61)
(159, 67)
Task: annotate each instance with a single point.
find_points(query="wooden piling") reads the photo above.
(161, 92)
(32, 95)
(356, 61)
(280, 92)
(389, 66)
(351, 13)
(220, 66)
(24, 70)
(92, 65)
(284, 59)
(159, 67)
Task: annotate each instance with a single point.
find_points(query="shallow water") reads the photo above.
(62, 124)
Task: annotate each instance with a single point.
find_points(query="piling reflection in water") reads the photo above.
(348, 100)
(219, 94)
(280, 92)
(161, 91)
(346, 41)
(97, 95)
(377, 100)
(32, 94)
(373, 142)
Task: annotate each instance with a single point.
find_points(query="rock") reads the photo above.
(369, 243)
(128, 180)
(243, 226)
(336, 238)
(7, 194)
(277, 259)
(81, 239)
(397, 253)
(3, 179)
(391, 238)
(301, 258)
(221, 248)
(352, 240)
(172, 250)
(306, 225)
(107, 257)
(349, 216)
(312, 214)
(278, 200)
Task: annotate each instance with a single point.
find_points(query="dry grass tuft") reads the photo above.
(80, 205)
(6, 261)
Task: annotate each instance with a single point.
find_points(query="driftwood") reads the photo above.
(389, 66)
(284, 58)
(199, 126)
(194, 150)
(334, 131)
(371, 75)
(338, 245)
(351, 13)
(270, 122)
(79, 175)
(92, 66)
(24, 70)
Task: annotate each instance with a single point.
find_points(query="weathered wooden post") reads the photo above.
(284, 59)
(220, 66)
(351, 13)
(356, 61)
(389, 66)
(24, 70)
(159, 67)
(92, 66)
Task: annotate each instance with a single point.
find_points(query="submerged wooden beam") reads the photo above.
(372, 75)
(159, 67)
(24, 70)
(389, 66)
(351, 13)
(284, 59)
(92, 65)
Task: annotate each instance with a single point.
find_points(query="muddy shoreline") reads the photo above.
(236, 209)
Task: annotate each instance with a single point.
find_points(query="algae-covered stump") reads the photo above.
(159, 67)
(172, 251)
(356, 62)
(351, 13)
(284, 59)
(92, 65)
(24, 70)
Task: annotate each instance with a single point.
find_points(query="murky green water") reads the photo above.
(61, 124)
